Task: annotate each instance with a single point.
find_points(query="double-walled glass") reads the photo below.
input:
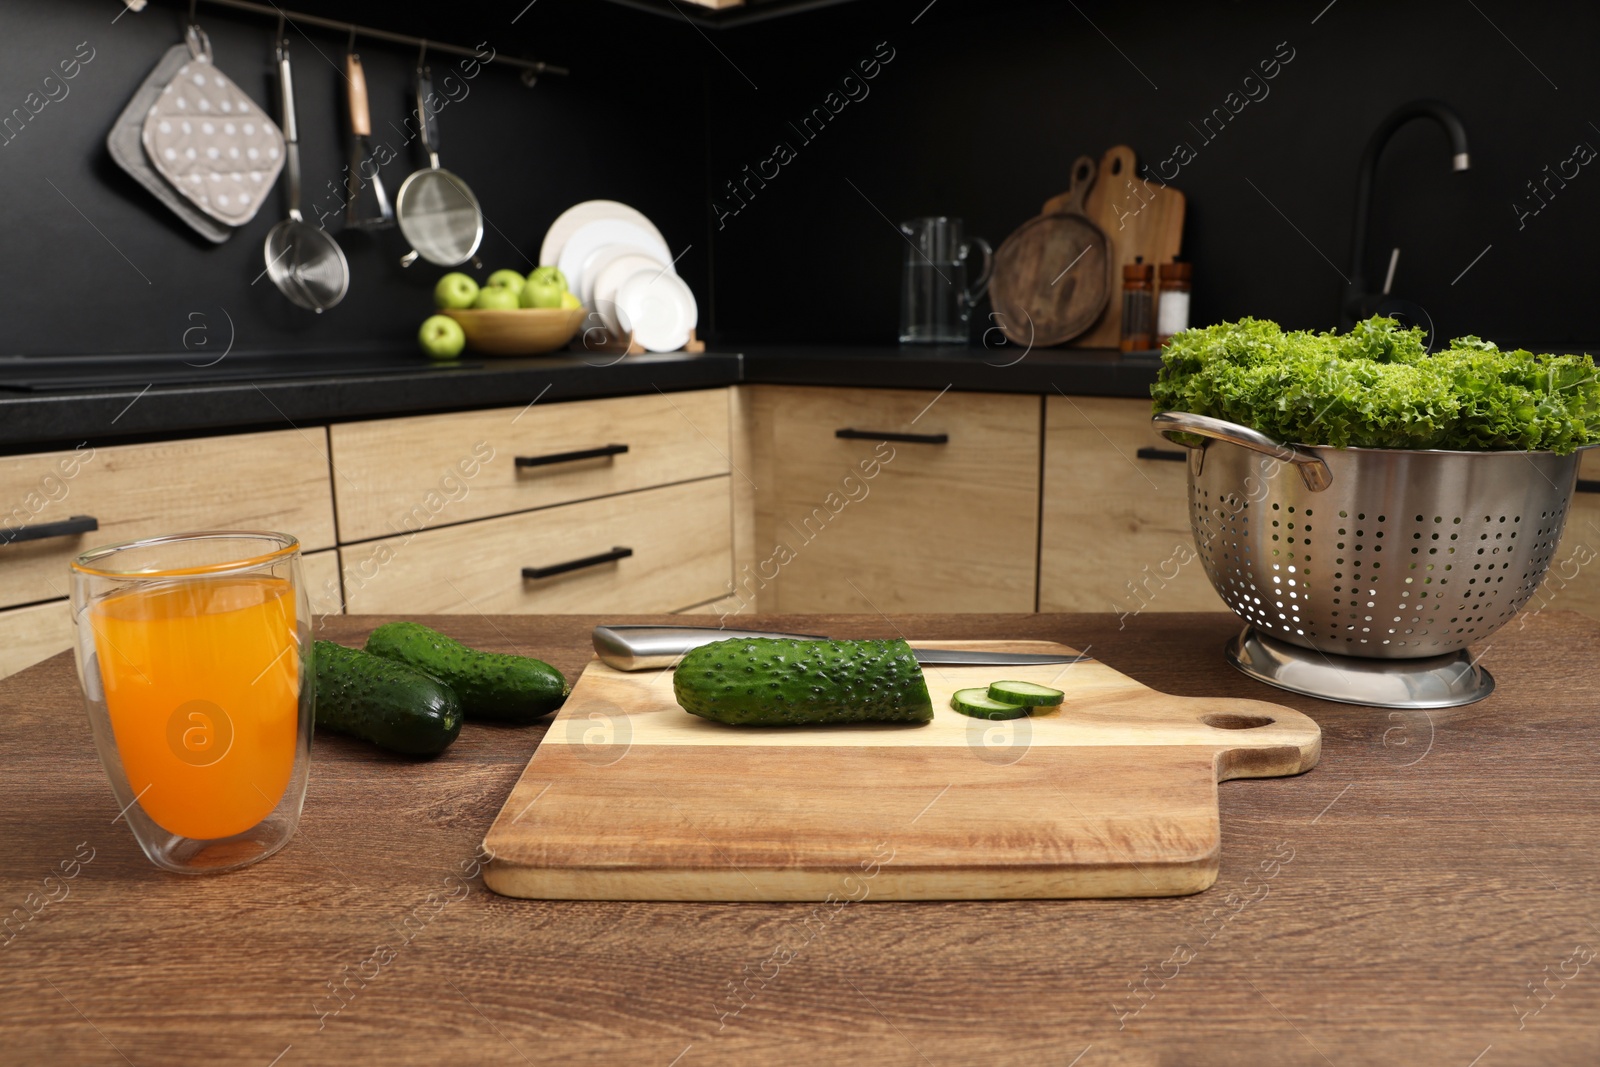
(193, 653)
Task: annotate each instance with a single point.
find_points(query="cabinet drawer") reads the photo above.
(1115, 531)
(320, 573)
(37, 632)
(29, 635)
(1573, 580)
(259, 481)
(679, 536)
(403, 475)
(867, 523)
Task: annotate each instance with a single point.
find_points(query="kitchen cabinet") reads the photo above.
(883, 500)
(33, 633)
(38, 631)
(1115, 530)
(676, 541)
(1573, 581)
(402, 475)
(253, 481)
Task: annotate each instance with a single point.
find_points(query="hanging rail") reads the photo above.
(530, 67)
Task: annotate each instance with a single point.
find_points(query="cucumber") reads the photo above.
(981, 705)
(490, 685)
(767, 681)
(387, 703)
(1025, 693)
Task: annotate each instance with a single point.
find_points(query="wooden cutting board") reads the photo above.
(1052, 275)
(629, 797)
(1140, 217)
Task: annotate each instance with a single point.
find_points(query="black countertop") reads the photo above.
(61, 402)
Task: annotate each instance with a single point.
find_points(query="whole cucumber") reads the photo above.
(767, 681)
(491, 685)
(387, 703)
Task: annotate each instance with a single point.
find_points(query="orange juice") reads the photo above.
(202, 683)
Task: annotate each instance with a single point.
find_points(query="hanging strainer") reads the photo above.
(1379, 553)
(438, 213)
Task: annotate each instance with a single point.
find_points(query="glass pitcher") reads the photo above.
(935, 299)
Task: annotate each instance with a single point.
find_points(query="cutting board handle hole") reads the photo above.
(1236, 722)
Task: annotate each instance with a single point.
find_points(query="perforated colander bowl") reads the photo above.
(1388, 554)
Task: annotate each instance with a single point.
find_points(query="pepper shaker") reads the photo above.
(1138, 306)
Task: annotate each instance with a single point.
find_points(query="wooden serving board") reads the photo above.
(629, 797)
(1140, 217)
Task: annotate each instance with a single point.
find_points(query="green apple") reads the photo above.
(570, 301)
(441, 336)
(455, 290)
(544, 288)
(496, 298)
(507, 279)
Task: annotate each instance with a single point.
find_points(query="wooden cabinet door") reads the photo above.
(677, 539)
(37, 632)
(927, 501)
(1115, 532)
(1573, 580)
(398, 476)
(251, 481)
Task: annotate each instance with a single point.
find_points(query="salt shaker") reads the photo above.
(1172, 304)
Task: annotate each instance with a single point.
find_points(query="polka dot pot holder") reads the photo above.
(218, 149)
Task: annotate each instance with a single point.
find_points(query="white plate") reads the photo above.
(592, 236)
(603, 257)
(579, 215)
(659, 308)
(610, 279)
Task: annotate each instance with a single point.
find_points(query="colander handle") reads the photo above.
(1313, 470)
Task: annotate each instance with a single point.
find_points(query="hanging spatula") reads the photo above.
(368, 206)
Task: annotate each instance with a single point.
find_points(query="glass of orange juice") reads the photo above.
(194, 656)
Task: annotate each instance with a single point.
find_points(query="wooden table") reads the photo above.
(1427, 895)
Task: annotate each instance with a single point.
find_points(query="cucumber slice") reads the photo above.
(1025, 693)
(978, 704)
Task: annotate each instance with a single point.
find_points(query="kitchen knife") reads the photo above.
(636, 648)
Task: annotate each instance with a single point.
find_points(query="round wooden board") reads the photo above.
(1052, 276)
(1052, 279)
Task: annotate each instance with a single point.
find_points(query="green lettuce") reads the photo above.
(1377, 387)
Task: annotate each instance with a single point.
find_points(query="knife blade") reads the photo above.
(630, 647)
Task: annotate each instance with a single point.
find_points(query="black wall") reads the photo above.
(980, 113)
(627, 125)
(986, 104)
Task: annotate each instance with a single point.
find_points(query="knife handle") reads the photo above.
(360, 115)
(639, 647)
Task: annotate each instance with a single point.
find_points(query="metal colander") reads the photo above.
(1388, 554)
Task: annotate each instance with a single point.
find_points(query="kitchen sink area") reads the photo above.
(708, 531)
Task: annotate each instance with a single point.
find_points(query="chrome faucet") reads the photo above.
(1358, 302)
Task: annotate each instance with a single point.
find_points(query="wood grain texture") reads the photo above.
(1389, 907)
(863, 525)
(254, 481)
(33, 633)
(1573, 581)
(39, 631)
(1115, 533)
(1053, 275)
(679, 535)
(1141, 218)
(402, 475)
(1112, 795)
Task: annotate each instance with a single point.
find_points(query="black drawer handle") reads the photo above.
(78, 524)
(1588, 485)
(576, 564)
(1176, 455)
(571, 457)
(910, 438)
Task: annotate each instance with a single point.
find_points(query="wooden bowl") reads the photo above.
(523, 332)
